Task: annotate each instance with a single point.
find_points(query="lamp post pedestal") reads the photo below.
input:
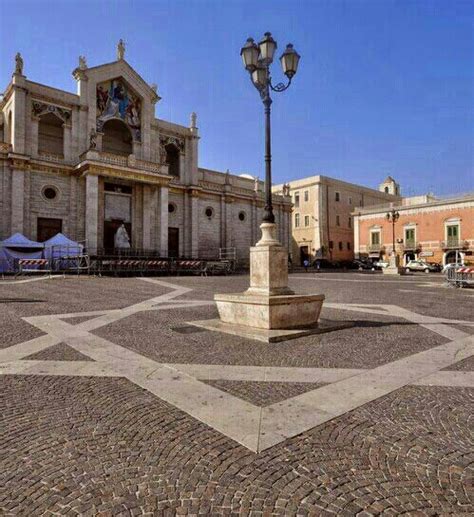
(394, 266)
(269, 310)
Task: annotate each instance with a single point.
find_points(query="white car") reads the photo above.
(420, 265)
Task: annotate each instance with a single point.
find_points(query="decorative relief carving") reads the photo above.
(116, 100)
(41, 108)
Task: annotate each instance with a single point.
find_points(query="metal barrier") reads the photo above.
(33, 266)
(461, 277)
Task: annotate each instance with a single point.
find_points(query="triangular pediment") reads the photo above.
(121, 69)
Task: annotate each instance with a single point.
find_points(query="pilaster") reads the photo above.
(92, 211)
(18, 201)
(34, 136)
(19, 114)
(163, 222)
(194, 224)
(67, 142)
(146, 217)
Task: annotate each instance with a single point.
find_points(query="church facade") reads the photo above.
(85, 164)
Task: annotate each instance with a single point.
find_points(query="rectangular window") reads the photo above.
(297, 199)
(306, 220)
(349, 222)
(374, 238)
(340, 245)
(348, 246)
(409, 234)
(350, 200)
(338, 221)
(306, 196)
(453, 231)
(331, 245)
(338, 197)
(297, 220)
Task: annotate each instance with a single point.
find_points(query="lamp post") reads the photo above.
(393, 217)
(257, 60)
(268, 310)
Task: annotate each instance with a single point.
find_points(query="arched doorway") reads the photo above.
(117, 138)
(454, 257)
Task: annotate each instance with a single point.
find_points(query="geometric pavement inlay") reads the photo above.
(336, 391)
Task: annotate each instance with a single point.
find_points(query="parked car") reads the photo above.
(421, 265)
(362, 265)
(381, 264)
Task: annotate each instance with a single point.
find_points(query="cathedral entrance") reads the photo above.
(173, 242)
(117, 211)
(110, 229)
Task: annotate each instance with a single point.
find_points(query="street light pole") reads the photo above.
(257, 60)
(393, 216)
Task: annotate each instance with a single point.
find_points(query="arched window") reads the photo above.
(172, 159)
(117, 138)
(386, 190)
(50, 135)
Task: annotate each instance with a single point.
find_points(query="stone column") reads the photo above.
(222, 221)
(183, 173)
(146, 217)
(194, 224)
(163, 209)
(67, 142)
(228, 222)
(18, 201)
(34, 136)
(18, 130)
(92, 211)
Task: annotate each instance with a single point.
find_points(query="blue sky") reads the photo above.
(384, 87)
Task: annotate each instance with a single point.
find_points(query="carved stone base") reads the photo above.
(270, 312)
(269, 303)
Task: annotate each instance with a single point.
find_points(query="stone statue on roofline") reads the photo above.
(82, 63)
(120, 50)
(18, 64)
(193, 120)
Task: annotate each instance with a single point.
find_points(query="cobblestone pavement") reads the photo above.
(93, 424)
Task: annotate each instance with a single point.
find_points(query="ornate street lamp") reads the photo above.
(257, 60)
(393, 217)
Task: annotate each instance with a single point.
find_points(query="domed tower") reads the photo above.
(390, 186)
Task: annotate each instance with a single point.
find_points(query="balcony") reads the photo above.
(127, 167)
(375, 248)
(454, 244)
(411, 245)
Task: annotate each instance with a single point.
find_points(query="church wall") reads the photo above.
(242, 230)
(209, 227)
(176, 218)
(6, 194)
(39, 206)
(81, 210)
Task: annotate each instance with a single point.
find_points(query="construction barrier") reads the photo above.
(462, 276)
(33, 266)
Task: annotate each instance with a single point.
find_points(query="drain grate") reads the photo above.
(187, 329)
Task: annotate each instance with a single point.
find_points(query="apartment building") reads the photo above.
(322, 221)
(437, 230)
